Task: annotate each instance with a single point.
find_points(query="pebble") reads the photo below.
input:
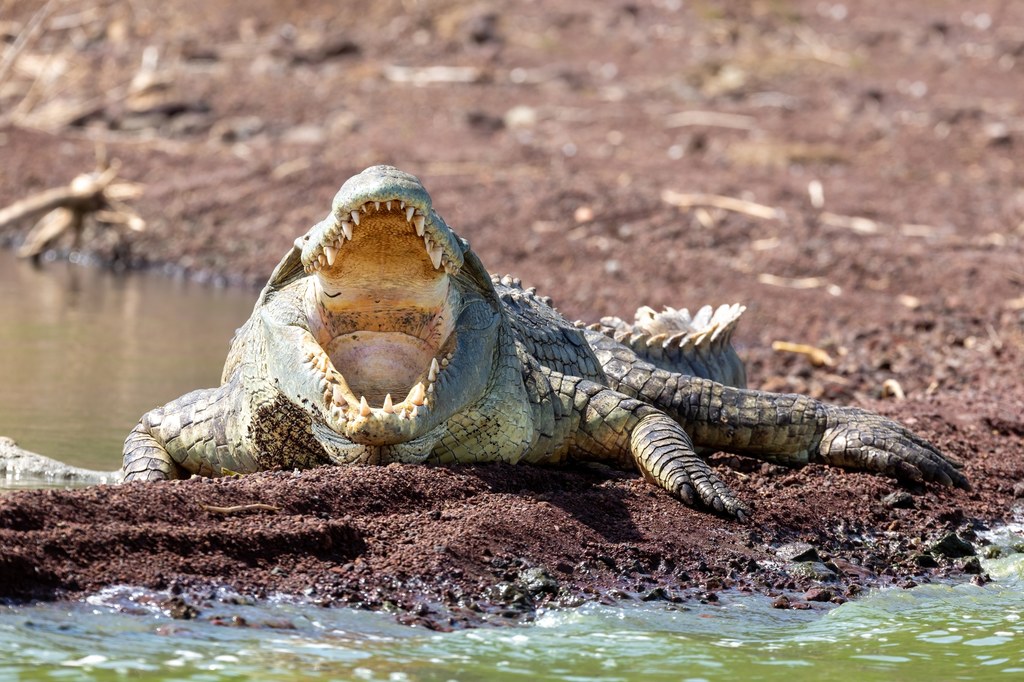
(952, 546)
(798, 552)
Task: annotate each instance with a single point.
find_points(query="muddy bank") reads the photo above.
(447, 547)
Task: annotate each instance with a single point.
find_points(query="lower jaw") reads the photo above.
(378, 364)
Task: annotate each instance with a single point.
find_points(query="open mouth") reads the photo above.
(382, 309)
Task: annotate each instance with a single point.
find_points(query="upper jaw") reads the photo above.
(381, 189)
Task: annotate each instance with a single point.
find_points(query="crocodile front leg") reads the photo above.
(192, 435)
(579, 419)
(787, 429)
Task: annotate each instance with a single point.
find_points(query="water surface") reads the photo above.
(931, 633)
(84, 352)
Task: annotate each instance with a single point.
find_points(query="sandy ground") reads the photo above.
(853, 174)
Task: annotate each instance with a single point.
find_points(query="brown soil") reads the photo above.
(551, 149)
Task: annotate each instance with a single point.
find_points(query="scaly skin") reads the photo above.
(383, 299)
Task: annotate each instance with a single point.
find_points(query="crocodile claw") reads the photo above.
(858, 439)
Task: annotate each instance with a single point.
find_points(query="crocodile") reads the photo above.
(381, 337)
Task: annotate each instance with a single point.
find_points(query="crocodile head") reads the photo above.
(403, 313)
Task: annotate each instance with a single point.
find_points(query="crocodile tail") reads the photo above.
(698, 345)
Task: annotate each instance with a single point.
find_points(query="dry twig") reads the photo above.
(239, 508)
(710, 119)
(817, 356)
(35, 24)
(733, 204)
(858, 224)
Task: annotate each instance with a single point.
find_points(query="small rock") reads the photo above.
(899, 499)
(537, 581)
(1018, 489)
(781, 602)
(819, 594)
(583, 214)
(926, 561)
(521, 117)
(815, 570)
(484, 122)
(309, 134)
(507, 594)
(998, 134)
(331, 47)
(482, 28)
(798, 552)
(970, 565)
(656, 594)
(952, 546)
(179, 609)
(848, 568)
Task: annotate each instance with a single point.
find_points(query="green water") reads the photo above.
(930, 633)
(84, 353)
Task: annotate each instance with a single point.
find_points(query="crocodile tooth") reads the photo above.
(402, 204)
(434, 369)
(409, 213)
(331, 254)
(415, 412)
(338, 395)
(355, 217)
(364, 407)
(388, 204)
(418, 221)
(389, 407)
(444, 361)
(321, 259)
(417, 394)
(376, 205)
(435, 255)
(346, 228)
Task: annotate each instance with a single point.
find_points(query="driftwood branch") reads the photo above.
(61, 210)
